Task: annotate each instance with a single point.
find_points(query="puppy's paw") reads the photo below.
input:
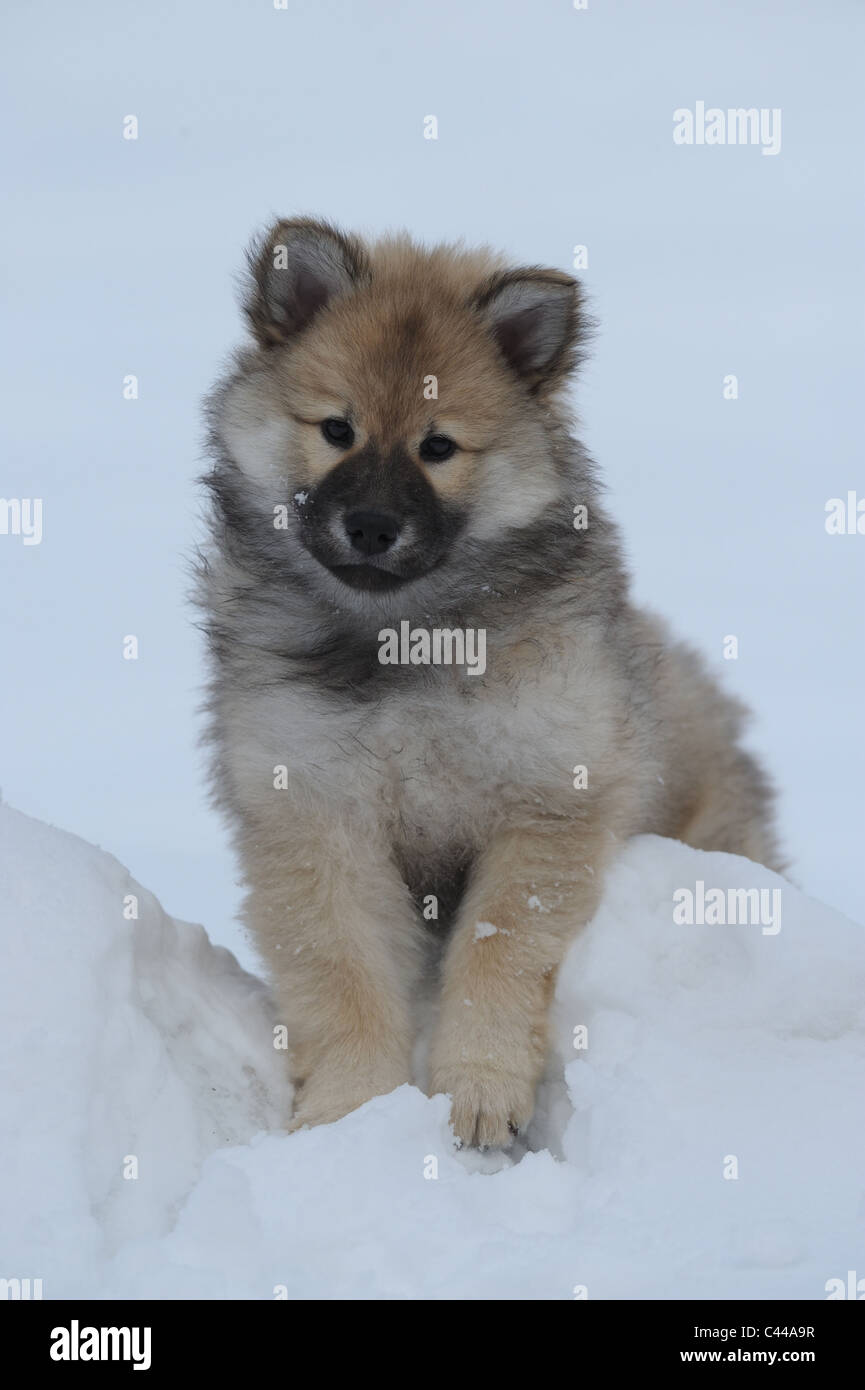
(488, 1107)
(325, 1097)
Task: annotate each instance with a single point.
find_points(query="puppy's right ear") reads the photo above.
(295, 270)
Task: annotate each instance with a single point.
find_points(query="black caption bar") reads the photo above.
(141, 1339)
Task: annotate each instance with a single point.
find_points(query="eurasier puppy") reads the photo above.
(420, 627)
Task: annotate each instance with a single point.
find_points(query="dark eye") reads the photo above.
(338, 432)
(436, 448)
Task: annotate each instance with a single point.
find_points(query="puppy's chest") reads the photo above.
(434, 764)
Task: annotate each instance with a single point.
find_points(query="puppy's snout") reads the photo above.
(372, 533)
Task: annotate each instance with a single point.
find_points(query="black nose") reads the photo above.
(372, 533)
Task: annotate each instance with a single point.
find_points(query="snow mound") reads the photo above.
(122, 1040)
(699, 1132)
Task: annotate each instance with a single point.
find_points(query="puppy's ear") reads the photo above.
(537, 319)
(297, 268)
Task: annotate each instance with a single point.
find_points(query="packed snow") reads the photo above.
(699, 1133)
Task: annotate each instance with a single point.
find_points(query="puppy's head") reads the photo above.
(398, 400)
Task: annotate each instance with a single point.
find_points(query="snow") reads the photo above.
(710, 1048)
(120, 1038)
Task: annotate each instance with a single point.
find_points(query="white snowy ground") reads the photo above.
(140, 1039)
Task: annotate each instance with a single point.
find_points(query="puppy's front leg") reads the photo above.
(529, 894)
(336, 924)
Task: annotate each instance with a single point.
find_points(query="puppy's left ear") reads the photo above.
(295, 270)
(536, 316)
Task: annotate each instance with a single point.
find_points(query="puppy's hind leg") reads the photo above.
(733, 812)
